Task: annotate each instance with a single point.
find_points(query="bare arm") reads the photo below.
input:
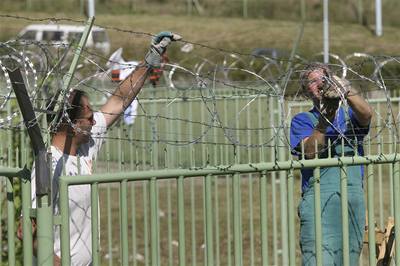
(316, 142)
(362, 110)
(130, 87)
(124, 95)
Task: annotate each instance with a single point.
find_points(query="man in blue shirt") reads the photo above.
(340, 117)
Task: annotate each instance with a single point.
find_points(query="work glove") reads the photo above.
(336, 88)
(158, 47)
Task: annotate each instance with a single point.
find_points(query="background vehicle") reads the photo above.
(66, 34)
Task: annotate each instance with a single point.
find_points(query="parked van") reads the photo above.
(65, 34)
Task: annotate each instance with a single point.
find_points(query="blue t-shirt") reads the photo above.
(302, 126)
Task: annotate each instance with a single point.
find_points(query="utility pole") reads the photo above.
(378, 18)
(91, 9)
(326, 32)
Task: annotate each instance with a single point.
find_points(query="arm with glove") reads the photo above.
(130, 87)
(331, 92)
(362, 110)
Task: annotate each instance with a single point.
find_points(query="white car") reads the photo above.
(65, 34)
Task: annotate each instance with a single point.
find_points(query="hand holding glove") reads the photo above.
(158, 47)
(337, 88)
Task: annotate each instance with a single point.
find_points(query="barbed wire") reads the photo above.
(228, 93)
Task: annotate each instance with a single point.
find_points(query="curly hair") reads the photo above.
(310, 68)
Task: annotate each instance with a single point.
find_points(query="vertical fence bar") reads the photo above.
(237, 221)
(291, 219)
(380, 183)
(283, 185)
(216, 196)
(228, 220)
(124, 221)
(371, 216)
(228, 198)
(209, 220)
(64, 211)
(396, 189)
(169, 215)
(261, 133)
(95, 223)
(181, 221)
(154, 222)
(145, 223)
(10, 221)
(250, 179)
(26, 221)
(133, 222)
(1, 215)
(390, 122)
(9, 140)
(317, 212)
(264, 218)
(345, 215)
(216, 220)
(133, 201)
(274, 142)
(109, 218)
(193, 219)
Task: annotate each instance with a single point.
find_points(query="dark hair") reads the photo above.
(73, 108)
(310, 68)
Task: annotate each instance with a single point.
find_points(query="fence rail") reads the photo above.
(224, 215)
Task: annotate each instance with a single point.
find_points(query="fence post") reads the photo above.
(43, 185)
(60, 98)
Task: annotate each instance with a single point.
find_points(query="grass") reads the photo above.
(340, 10)
(234, 34)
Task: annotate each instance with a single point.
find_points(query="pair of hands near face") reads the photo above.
(336, 89)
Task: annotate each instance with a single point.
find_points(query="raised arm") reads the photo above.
(129, 88)
(362, 110)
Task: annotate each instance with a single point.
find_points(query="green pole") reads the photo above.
(10, 222)
(303, 10)
(154, 222)
(181, 220)
(26, 221)
(28, 4)
(371, 211)
(283, 187)
(124, 221)
(95, 224)
(237, 220)
(273, 182)
(291, 218)
(264, 218)
(67, 79)
(360, 11)
(345, 216)
(317, 211)
(396, 188)
(209, 219)
(245, 9)
(64, 211)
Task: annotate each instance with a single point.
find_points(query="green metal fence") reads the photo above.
(194, 212)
